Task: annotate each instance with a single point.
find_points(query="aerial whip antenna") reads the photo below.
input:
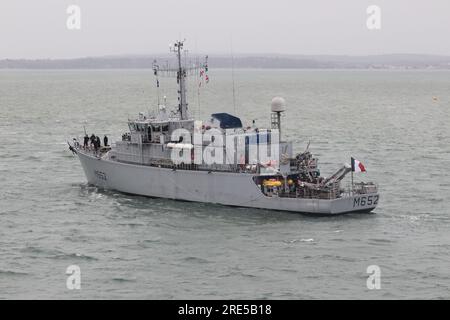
(232, 76)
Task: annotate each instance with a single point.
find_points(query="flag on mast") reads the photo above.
(357, 166)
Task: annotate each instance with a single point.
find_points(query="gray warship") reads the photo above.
(168, 154)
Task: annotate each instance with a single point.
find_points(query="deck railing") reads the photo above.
(360, 188)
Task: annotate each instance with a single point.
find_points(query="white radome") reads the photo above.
(278, 104)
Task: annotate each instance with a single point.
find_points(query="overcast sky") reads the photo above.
(37, 28)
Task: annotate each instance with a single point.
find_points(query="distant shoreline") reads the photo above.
(243, 69)
(374, 62)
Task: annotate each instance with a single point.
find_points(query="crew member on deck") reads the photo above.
(93, 140)
(105, 141)
(86, 141)
(96, 143)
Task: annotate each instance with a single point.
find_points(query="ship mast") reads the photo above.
(181, 80)
(182, 72)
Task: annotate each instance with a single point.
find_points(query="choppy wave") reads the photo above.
(192, 259)
(55, 254)
(13, 273)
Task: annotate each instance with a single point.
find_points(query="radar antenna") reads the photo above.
(181, 72)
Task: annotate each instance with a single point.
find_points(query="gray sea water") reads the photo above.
(130, 247)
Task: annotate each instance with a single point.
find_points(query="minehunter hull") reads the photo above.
(233, 189)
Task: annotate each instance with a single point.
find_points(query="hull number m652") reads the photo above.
(365, 201)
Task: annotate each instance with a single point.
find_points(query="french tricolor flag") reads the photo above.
(357, 166)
